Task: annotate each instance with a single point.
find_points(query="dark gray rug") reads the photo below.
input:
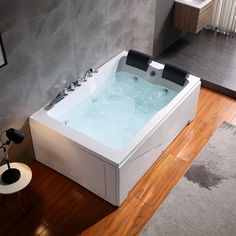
(204, 200)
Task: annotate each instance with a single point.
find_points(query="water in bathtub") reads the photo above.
(115, 112)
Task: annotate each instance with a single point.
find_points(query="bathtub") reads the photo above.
(109, 172)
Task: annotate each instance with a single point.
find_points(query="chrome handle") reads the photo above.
(65, 91)
(77, 83)
(71, 88)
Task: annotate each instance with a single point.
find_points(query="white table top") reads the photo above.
(25, 178)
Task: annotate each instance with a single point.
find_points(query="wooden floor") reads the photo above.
(58, 206)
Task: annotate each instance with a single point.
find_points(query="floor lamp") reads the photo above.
(11, 175)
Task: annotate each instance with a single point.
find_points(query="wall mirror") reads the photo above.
(3, 59)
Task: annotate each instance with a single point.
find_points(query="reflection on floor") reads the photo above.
(208, 55)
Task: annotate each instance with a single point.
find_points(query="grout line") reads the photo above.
(74, 42)
(106, 30)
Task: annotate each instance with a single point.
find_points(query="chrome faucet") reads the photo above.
(61, 95)
(89, 73)
(71, 87)
(57, 99)
(92, 71)
(77, 83)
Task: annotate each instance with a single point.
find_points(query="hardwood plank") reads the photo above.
(15, 222)
(81, 214)
(202, 96)
(63, 205)
(233, 121)
(62, 192)
(157, 170)
(196, 140)
(155, 192)
(230, 114)
(191, 140)
(128, 220)
(216, 112)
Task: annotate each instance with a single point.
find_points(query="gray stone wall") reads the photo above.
(165, 33)
(50, 43)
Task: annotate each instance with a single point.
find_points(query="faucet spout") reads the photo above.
(54, 101)
(89, 73)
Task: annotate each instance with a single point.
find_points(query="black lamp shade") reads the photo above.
(14, 135)
(10, 176)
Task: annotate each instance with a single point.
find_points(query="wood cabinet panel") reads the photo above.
(204, 18)
(192, 19)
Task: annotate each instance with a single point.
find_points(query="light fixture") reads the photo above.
(11, 175)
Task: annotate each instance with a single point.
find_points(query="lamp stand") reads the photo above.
(11, 175)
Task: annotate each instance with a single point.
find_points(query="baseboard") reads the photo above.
(218, 88)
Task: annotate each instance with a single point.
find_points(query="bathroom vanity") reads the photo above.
(192, 15)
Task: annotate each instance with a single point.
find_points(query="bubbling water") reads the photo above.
(114, 113)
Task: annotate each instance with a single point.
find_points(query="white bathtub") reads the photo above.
(111, 173)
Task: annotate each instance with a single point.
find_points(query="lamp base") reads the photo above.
(10, 176)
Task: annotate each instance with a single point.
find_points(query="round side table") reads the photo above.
(25, 178)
